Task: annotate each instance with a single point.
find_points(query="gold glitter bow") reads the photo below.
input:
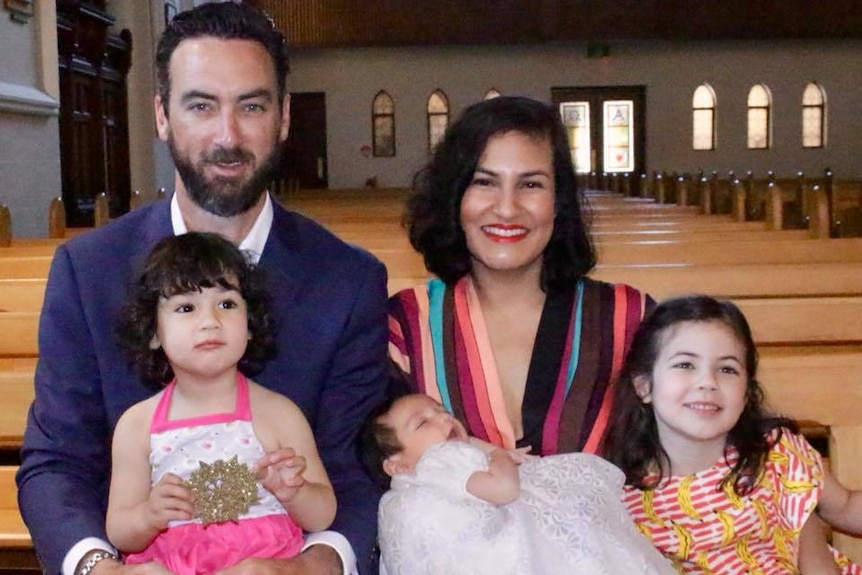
(223, 490)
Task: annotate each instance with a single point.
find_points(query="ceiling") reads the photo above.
(358, 23)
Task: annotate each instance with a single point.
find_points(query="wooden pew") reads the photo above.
(797, 321)
(789, 330)
(828, 207)
(22, 294)
(721, 280)
(33, 266)
(379, 235)
(733, 281)
(846, 210)
(706, 251)
(19, 334)
(16, 547)
(692, 225)
(17, 389)
(31, 247)
(404, 261)
(822, 386)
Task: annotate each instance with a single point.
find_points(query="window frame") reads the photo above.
(767, 112)
(821, 107)
(444, 99)
(699, 110)
(377, 115)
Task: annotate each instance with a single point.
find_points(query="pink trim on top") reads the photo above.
(242, 412)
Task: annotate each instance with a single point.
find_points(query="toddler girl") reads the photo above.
(214, 468)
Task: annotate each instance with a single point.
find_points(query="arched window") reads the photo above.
(703, 118)
(492, 93)
(383, 125)
(813, 116)
(759, 118)
(438, 118)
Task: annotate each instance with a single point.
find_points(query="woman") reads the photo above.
(512, 338)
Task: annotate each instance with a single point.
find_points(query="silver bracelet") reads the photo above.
(94, 559)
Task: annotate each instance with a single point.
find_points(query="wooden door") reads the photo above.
(304, 157)
(607, 127)
(94, 134)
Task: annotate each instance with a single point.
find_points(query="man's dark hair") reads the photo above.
(227, 21)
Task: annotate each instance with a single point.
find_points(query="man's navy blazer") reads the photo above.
(329, 305)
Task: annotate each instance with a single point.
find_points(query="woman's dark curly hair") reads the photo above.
(632, 441)
(188, 263)
(433, 216)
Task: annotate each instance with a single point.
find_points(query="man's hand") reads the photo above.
(316, 560)
(109, 567)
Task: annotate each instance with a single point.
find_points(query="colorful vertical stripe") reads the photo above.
(439, 333)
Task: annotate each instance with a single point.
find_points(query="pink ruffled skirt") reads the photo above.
(193, 549)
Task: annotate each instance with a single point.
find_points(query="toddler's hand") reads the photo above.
(280, 471)
(169, 500)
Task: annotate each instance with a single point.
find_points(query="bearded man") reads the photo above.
(223, 109)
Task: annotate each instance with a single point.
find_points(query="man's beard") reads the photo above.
(224, 197)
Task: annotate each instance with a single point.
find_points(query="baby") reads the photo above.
(459, 505)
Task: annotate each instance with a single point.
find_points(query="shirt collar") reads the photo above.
(252, 244)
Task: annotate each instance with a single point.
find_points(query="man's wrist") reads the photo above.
(83, 547)
(92, 558)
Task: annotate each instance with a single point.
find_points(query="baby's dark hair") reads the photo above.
(184, 264)
(632, 442)
(378, 442)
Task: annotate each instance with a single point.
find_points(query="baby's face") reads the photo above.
(420, 422)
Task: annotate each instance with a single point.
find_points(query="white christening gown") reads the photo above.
(568, 520)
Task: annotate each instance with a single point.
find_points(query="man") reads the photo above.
(223, 111)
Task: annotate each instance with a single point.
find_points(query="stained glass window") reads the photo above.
(383, 125)
(576, 119)
(438, 118)
(703, 118)
(759, 118)
(618, 136)
(813, 116)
